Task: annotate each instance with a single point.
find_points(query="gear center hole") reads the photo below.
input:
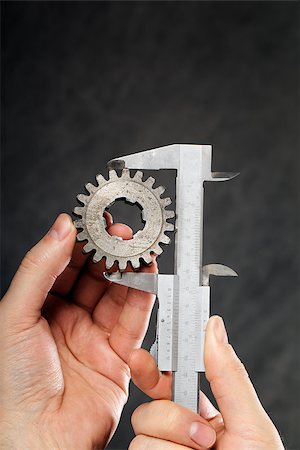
(123, 211)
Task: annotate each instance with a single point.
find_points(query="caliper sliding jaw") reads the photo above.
(184, 297)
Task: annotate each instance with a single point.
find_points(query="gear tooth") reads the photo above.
(100, 180)
(97, 256)
(82, 198)
(165, 239)
(169, 214)
(88, 248)
(135, 263)
(147, 258)
(125, 173)
(166, 201)
(122, 264)
(159, 190)
(78, 210)
(113, 175)
(138, 176)
(90, 188)
(109, 262)
(157, 249)
(169, 227)
(149, 182)
(78, 224)
(82, 236)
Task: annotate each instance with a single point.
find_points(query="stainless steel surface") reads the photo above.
(201, 319)
(167, 323)
(144, 242)
(189, 305)
(146, 282)
(217, 270)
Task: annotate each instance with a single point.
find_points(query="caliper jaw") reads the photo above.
(146, 282)
(203, 307)
(170, 157)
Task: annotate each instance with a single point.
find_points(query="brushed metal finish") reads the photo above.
(217, 270)
(146, 282)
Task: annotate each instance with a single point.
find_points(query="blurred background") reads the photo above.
(84, 82)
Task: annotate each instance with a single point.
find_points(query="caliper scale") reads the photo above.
(183, 297)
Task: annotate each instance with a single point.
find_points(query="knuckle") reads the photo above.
(29, 262)
(174, 417)
(236, 364)
(32, 261)
(170, 413)
(240, 370)
(159, 415)
(128, 333)
(138, 443)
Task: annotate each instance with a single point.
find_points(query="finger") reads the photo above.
(107, 312)
(65, 282)
(166, 420)
(91, 284)
(142, 442)
(120, 229)
(133, 321)
(39, 270)
(147, 377)
(229, 381)
(207, 409)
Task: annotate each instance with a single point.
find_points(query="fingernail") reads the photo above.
(220, 331)
(61, 227)
(202, 434)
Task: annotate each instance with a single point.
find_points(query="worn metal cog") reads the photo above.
(144, 242)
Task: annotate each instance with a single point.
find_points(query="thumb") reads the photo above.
(229, 381)
(38, 272)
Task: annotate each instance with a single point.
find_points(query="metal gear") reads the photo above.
(134, 190)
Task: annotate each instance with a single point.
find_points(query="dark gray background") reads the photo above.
(84, 82)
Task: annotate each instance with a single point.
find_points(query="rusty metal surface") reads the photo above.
(145, 242)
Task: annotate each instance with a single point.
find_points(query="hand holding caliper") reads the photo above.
(240, 423)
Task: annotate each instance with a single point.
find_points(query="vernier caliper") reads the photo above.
(183, 297)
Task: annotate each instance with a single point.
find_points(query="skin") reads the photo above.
(66, 336)
(240, 423)
(68, 346)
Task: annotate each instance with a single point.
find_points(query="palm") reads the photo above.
(95, 377)
(92, 327)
